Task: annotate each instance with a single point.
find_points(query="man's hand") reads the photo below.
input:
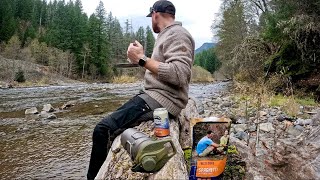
(135, 52)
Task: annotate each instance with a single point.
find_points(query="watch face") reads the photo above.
(142, 62)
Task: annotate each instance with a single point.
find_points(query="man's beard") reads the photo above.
(155, 28)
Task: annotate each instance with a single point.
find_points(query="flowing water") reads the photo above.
(35, 148)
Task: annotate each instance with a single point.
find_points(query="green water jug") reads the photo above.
(149, 155)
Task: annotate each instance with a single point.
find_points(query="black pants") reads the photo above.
(130, 114)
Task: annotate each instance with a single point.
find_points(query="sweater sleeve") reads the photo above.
(178, 53)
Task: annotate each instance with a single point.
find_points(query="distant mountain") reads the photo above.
(205, 46)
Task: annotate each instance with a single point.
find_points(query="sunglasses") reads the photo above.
(151, 9)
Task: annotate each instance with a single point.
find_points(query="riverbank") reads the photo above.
(37, 75)
(274, 140)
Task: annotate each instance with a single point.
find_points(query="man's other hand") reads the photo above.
(135, 52)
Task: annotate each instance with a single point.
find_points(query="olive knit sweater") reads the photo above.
(174, 49)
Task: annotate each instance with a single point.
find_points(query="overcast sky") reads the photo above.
(196, 16)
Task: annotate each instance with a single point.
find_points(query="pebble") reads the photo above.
(252, 128)
(2, 134)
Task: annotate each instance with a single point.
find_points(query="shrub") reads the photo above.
(19, 77)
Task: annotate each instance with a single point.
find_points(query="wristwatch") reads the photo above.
(143, 61)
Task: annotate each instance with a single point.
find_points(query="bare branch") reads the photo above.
(265, 5)
(262, 5)
(258, 5)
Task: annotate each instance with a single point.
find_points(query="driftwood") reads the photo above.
(118, 162)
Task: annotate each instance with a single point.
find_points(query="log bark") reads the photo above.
(118, 162)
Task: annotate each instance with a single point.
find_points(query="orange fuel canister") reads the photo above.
(161, 122)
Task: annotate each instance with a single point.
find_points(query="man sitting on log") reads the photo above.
(167, 77)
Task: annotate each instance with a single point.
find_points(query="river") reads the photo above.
(35, 148)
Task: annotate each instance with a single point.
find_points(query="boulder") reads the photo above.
(254, 164)
(184, 120)
(293, 158)
(301, 156)
(47, 108)
(32, 110)
(119, 161)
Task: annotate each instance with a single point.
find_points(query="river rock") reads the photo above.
(209, 104)
(46, 115)
(2, 134)
(270, 120)
(9, 85)
(273, 112)
(47, 108)
(262, 113)
(215, 102)
(303, 122)
(300, 128)
(267, 127)
(252, 128)
(242, 135)
(241, 120)
(32, 110)
(68, 104)
(281, 118)
(293, 131)
(225, 104)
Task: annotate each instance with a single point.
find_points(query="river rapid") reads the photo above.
(35, 148)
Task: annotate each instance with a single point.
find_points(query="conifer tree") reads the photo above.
(150, 42)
